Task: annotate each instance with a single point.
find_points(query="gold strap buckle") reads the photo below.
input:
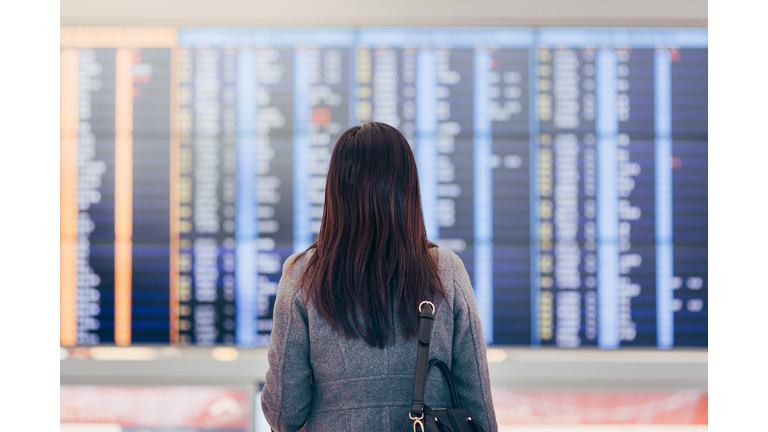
(417, 420)
(429, 303)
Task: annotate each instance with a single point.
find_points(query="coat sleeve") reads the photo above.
(470, 365)
(287, 394)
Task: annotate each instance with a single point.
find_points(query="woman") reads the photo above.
(343, 349)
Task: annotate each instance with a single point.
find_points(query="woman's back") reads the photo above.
(359, 387)
(344, 341)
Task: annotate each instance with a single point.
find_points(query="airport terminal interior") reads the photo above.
(562, 150)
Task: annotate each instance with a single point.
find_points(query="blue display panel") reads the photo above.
(689, 194)
(609, 258)
(461, 97)
(283, 96)
(567, 168)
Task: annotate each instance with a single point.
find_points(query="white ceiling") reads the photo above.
(684, 13)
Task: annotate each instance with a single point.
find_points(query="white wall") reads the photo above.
(685, 13)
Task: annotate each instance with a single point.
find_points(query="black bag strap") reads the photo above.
(426, 317)
(448, 379)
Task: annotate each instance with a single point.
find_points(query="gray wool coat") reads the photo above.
(357, 387)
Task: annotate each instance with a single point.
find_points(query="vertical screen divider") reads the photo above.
(354, 85)
(68, 197)
(607, 125)
(302, 208)
(662, 77)
(123, 193)
(426, 137)
(483, 191)
(246, 217)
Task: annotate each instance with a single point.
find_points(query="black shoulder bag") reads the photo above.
(426, 419)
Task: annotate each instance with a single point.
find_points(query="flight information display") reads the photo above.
(116, 194)
(567, 167)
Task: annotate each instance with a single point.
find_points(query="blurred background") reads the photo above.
(562, 153)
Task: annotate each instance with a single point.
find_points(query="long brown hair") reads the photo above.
(371, 259)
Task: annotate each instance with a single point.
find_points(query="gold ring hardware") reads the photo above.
(421, 425)
(417, 421)
(429, 303)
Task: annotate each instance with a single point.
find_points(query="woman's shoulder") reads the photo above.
(293, 268)
(447, 260)
(453, 274)
(295, 264)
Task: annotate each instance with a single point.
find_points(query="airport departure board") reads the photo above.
(567, 167)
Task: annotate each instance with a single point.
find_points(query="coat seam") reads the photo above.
(282, 361)
(284, 349)
(477, 361)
